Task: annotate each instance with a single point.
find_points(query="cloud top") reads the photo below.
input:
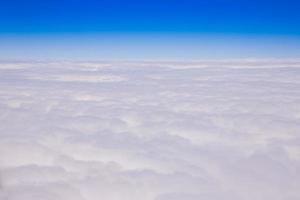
(150, 130)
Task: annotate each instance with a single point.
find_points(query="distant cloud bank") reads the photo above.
(211, 130)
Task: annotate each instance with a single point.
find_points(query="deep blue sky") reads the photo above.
(156, 28)
(200, 16)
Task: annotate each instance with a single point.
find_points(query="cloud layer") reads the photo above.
(206, 130)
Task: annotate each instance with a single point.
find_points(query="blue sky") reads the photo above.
(149, 29)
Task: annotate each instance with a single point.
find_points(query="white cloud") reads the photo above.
(150, 130)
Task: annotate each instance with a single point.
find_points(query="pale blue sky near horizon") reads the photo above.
(162, 46)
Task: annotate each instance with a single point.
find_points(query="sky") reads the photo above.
(119, 29)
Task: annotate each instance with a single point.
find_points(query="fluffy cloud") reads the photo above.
(208, 130)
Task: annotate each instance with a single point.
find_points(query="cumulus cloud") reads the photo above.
(150, 130)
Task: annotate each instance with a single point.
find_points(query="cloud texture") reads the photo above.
(210, 130)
